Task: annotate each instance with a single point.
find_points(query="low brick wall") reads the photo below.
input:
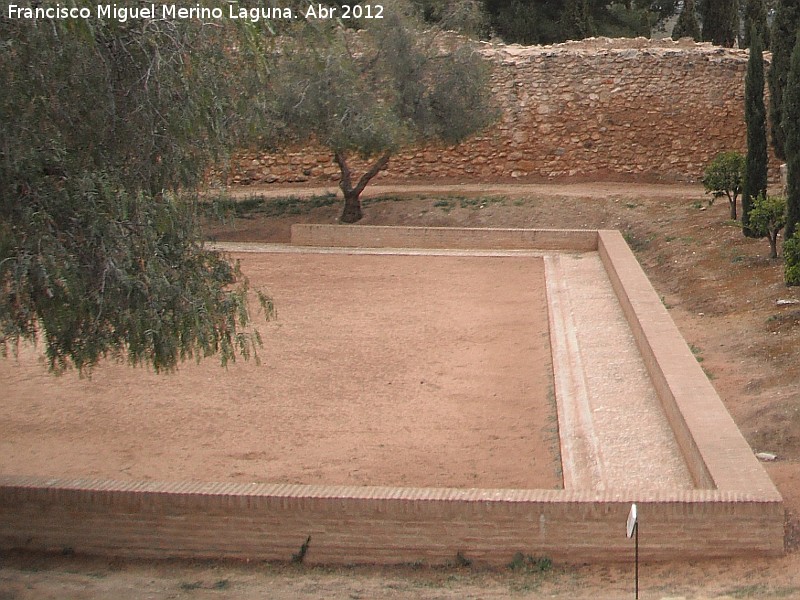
(377, 525)
(359, 236)
(736, 510)
(715, 450)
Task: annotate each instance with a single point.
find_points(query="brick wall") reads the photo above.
(736, 510)
(598, 109)
(442, 237)
(378, 525)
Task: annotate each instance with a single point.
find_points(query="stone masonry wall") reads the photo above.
(600, 109)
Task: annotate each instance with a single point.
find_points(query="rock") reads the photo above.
(787, 302)
(766, 456)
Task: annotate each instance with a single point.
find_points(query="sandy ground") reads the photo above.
(380, 370)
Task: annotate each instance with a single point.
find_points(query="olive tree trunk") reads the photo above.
(352, 212)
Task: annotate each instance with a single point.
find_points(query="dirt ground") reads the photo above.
(724, 293)
(422, 371)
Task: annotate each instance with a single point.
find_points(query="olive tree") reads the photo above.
(371, 92)
(767, 218)
(724, 176)
(105, 129)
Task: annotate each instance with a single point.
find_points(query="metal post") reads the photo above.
(636, 530)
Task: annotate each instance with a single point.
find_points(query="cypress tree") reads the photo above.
(755, 116)
(782, 38)
(577, 20)
(755, 15)
(791, 129)
(721, 22)
(687, 25)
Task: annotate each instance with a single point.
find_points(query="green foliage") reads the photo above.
(299, 556)
(530, 564)
(725, 177)
(755, 16)
(755, 116)
(372, 93)
(791, 130)
(223, 207)
(548, 22)
(767, 218)
(791, 257)
(522, 22)
(101, 123)
(720, 22)
(782, 40)
(465, 16)
(687, 25)
(576, 20)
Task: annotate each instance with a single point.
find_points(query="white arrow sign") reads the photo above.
(631, 520)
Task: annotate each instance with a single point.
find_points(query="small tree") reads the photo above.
(687, 25)
(767, 218)
(755, 116)
(371, 93)
(725, 177)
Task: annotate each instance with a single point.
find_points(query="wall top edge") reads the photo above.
(20, 484)
(613, 46)
(453, 229)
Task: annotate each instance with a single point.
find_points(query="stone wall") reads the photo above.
(599, 109)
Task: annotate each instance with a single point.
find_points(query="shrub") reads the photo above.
(791, 254)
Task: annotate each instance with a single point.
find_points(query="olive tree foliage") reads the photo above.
(370, 93)
(724, 176)
(105, 129)
(767, 218)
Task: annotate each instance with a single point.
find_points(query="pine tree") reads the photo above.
(755, 115)
(721, 22)
(755, 15)
(687, 25)
(791, 129)
(782, 38)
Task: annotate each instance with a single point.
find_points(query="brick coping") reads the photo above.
(276, 490)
